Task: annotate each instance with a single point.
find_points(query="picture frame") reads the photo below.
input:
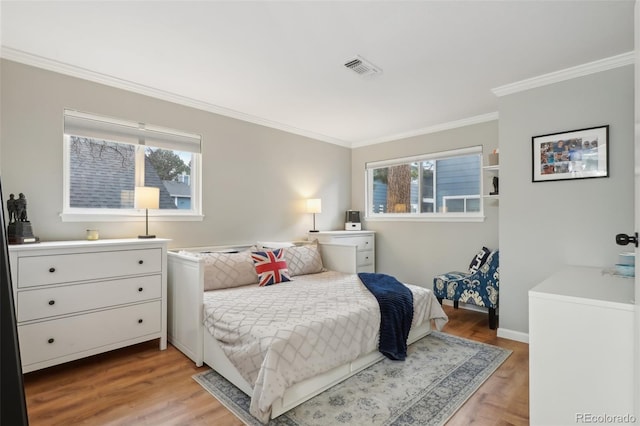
(575, 154)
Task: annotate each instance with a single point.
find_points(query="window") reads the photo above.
(105, 159)
(445, 185)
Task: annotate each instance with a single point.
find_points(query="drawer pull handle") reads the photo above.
(52, 302)
(140, 321)
(52, 270)
(140, 262)
(51, 340)
(140, 289)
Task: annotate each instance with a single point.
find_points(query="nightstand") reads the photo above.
(364, 240)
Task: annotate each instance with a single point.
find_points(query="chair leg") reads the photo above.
(493, 319)
(455, 304)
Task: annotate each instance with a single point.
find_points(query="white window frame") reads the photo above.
(424, 217)
(141, 135)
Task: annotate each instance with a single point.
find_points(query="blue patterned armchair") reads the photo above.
(478, 288)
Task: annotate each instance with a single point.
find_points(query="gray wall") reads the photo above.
(546, 225)
(417, 251)
(255, 179)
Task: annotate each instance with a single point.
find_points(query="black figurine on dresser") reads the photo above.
(19, 230)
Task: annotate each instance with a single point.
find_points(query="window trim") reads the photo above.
(130, 132)
(423, 217)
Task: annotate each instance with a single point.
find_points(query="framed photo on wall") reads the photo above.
(576, 154)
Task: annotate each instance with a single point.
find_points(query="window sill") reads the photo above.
(440, 217)
(130, 217)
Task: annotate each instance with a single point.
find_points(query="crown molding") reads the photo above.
(107, 80)
(432, 129)
(566, 74)
(85, 74)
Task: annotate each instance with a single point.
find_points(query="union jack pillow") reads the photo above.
(271, 267)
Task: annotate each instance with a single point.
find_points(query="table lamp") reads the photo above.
(147, 197)
(314, 205)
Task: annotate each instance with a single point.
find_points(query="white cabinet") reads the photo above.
(363, 240)
(81, 298)
(581, 349)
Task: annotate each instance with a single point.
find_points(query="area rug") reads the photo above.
(440, 373)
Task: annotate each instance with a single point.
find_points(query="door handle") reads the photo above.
(624, 239)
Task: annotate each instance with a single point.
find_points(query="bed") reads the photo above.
(285, 343)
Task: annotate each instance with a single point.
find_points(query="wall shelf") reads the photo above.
(494, 170)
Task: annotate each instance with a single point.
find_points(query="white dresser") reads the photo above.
(581, 346)
(79, 298)
(363, 240)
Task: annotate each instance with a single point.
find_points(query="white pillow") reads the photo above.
(226, 270)
(302, 260)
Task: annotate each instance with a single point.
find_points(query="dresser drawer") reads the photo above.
(367, 268)
(63, 268)
(365, 242)
(365, 257)
(45, 302)
(66, 336)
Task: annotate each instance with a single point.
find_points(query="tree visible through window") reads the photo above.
(418, 186)
(167, 164)
(105, 164)
(103, 174)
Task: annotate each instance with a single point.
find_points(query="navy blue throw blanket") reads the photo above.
(396, 311)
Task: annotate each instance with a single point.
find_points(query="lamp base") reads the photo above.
(146, 236)
(314, 230)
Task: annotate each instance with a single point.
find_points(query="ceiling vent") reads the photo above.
(362, 67)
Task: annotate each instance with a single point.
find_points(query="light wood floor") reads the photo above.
(141, 385)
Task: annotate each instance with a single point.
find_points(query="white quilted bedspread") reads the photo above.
(282, 334)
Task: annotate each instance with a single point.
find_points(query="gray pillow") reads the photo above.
(226, 270)
(302, 260)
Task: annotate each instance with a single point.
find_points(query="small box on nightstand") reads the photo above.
(353, 226)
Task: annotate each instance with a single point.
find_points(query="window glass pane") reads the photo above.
(379, 190)
(171, 172)
(458, 179)
(428, 187)
(415, 189)
(473, 204)
(102, 174)
(395, 189)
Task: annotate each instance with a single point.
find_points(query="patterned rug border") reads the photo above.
(497, 354)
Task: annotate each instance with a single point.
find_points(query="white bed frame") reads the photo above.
(186, 330)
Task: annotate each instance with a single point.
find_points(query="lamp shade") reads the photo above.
(147, 197)
(314, 205)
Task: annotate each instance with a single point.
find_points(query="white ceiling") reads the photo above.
(281, 63)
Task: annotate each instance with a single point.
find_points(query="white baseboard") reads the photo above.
(513, 335)
(505, 333)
